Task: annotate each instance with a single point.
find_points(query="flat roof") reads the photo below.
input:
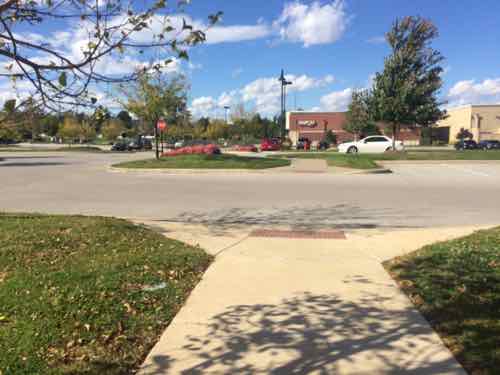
(472, 105)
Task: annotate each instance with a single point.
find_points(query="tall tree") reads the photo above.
(70, 129)
(155, 96)
(125, 118)
(105, 32)
(358, 114)
(112, 129)
(405, 93)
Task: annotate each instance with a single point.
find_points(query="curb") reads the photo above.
(243, 171)
(368, 171)
(180, 171)
(435, 162)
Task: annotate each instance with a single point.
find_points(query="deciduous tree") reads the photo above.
(155, 96)
(405, 92)
(358, 114)
(112, 129)
(106, 32)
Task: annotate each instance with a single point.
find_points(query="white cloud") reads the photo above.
(214, 35)
(203, 106)
(336, 100)
(312, 24)
(227, 98)
(208, 106)
(237, 33)
(265, 92)
(470, 92)
(376, 40)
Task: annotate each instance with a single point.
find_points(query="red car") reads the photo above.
(273, 144)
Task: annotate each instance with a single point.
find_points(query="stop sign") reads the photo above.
(162, 125)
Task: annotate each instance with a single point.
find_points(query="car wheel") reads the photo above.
(352, 150)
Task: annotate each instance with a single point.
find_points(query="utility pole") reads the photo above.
(284, 83)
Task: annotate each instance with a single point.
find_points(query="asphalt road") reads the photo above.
(442, 194)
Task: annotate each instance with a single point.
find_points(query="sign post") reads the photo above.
(161, 126)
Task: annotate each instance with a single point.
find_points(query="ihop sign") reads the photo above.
(307, 123)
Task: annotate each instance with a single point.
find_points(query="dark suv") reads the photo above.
(466, 144)
(489, 145)
(140, 144)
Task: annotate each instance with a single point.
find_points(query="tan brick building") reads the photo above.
(483, 121)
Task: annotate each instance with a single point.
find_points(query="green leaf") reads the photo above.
(62, 79)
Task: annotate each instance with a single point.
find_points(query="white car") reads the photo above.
(179, 144)
(370, 145)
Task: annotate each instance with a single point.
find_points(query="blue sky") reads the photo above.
(328, 48)
(469, 39)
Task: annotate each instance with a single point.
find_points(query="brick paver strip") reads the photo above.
(300, 234)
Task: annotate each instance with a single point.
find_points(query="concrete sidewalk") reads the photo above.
(301, 307)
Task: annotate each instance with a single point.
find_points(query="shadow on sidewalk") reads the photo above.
(321, 334)
(341, 216)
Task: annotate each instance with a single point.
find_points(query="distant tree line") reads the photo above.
(151, 97)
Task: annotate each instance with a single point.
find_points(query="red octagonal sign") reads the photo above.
(162, 125)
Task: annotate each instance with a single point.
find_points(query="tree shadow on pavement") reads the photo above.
(341, 216)
(321, 334)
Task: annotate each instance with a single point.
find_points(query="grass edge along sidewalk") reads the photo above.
(87, 295)
(195, 161)
(456, 286)
(369, 161)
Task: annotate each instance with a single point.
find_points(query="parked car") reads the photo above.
(373, 144)
(323, 145)
(120, 146)
(140, 144)
(466, 144)
(489, 145)
(273, 144)
(303, 144)
(179, 144)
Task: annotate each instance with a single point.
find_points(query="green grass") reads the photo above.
(76, 294)
(369, 161)
(456, 285)
(224, 161)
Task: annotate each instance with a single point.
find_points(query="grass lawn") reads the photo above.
(456, 285)
(223, 161)
(87, 295)
(369, 161)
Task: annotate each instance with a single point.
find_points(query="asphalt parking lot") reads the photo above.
(415, 195)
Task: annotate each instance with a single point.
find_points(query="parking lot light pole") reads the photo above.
(284, 83)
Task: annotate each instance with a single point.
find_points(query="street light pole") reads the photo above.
(284, 83)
